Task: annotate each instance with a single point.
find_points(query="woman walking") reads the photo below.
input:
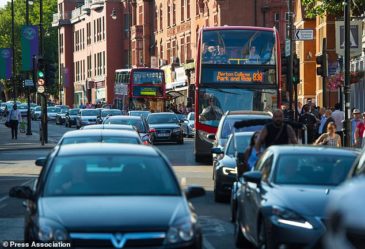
(330, 138)
(14, 118)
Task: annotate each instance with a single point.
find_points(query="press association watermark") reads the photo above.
(34, 244)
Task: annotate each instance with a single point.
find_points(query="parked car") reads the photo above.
(227, 121)
(70, 117)
(139, 113)
(61, 116)
(190, 119)
(86, 117)
(283, 201)
(100, 135)
(105, 113)
(225, 167)
(136, 121)
(52, 112)
(23, 108)
(165, 127)
(36, 113)
(88, 195)
(359, 165)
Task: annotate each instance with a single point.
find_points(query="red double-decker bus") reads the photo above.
(237, 68)
(140, 89)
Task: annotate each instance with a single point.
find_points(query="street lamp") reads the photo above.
(13, 51)
(29, 125)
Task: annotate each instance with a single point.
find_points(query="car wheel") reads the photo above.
(239, 239)
(217, 196)
(263, 241)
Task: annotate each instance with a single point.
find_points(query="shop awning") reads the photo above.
(173, 94)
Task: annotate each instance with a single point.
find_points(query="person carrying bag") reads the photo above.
(13, 120)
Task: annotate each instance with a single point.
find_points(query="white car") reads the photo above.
(52, 112)
(87, 117)
(190, 119)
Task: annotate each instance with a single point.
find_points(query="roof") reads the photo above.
(305, 149)
(100, 132)
(106, 149)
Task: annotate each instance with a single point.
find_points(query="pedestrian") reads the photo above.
(249, 156)
(354, 122)
(338, 116)
(309, 120)
(330, 138)
(359, 133)
(275, 133)
(324, 122)
(14, 118)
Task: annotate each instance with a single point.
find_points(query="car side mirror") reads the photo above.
(211, 136)
(194, 191)
(253, 176)
(216, 150)
(22, 192)
(41, 161)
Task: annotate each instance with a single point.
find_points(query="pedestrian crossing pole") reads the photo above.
(347, 122)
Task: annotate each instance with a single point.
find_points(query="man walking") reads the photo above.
(338, 116)
(276, 133)
(354, 122)
(310, 121)
(14, 118)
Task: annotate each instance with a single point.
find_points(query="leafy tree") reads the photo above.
(50, 35)
(333, 7)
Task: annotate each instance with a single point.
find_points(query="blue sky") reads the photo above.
(3, 3)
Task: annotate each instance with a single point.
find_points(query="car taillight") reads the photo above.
(146, 143)
(152, 130)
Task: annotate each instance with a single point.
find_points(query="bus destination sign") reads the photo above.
(148, 91)
(222, 76)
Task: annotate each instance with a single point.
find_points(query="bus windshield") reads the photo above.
(214, 102)
(147, 77)
(238, 47)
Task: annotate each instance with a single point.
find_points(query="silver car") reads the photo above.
(87, 117)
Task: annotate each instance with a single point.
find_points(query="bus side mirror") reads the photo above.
(211, 136)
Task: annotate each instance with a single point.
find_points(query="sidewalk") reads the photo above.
(24, 142)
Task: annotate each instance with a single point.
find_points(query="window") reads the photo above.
(95, 65)
(188, 48)
(182, 10)
(174, 48)
(174, 13)
(161, 50)
(155, 22)
(88, 33)
(161, 18)
(182, 50)
(168, 51)
(188, 9)
(140, 15)
(126, 25)
(197, 8)
(168, 14)
(103, 28)
(94, 30)
(61, 43)
(89, 70)
(104, 62)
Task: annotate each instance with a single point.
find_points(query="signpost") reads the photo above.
(304, 34)
(29, 83)
(40, 89)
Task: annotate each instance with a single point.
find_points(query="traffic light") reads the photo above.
(50, 75)
(296, 70)
(40, 74)
(322, 63)
(284, 64)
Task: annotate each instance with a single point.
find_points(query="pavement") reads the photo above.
(24, 142)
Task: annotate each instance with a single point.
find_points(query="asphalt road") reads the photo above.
(17, 168)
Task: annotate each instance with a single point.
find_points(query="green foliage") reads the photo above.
(315, 8)
(50, 34)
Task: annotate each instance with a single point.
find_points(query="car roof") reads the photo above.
(164, 113)
(229, 113)
(109, 127)
(125, 117)
(305, 149)
(106, 149)
(244, 133)
(100, 132)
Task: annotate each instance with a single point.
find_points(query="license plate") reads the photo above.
(163, 134)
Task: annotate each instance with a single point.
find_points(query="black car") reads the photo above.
(225, 167)
(70, 117)
(165, 127)
(283, 202)
(110, 196)
(61, 116)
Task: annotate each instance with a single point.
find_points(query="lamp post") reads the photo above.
(347, 122)
(13, 81)
(29, 124)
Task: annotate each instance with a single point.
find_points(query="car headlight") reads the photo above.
(180, 232)
(49, 230)
(288, 217)
(229, 171)
(176, 130)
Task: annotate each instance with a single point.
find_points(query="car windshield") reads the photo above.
(125, 121)
(228, 127)
(100, 175)
(89, 113)
(104, 139)
(137, 113)
(111, 112)
(74, 112)
(242, 142)
(38, 108)
(53, 109)
(162, 119)
(312, 169)
(214, 102)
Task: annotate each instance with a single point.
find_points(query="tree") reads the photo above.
(50, 34)
(315, 8)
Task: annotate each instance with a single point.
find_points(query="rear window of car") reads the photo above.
(138, 123)
(162, 119)
(100, 175)
(103, 139)
(229, 121)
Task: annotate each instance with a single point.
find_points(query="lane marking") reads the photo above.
(206, 244)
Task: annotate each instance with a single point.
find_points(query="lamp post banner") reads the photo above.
(30, 46)
(6, 60)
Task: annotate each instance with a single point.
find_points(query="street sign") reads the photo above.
(287, 47)
(304, 34)
(355, 38)
(40, 89)
(28, 83)
(40, 82)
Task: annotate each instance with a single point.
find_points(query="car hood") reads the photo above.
(228, 161)
(305, 200)
(110, 213)
(161, 126)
